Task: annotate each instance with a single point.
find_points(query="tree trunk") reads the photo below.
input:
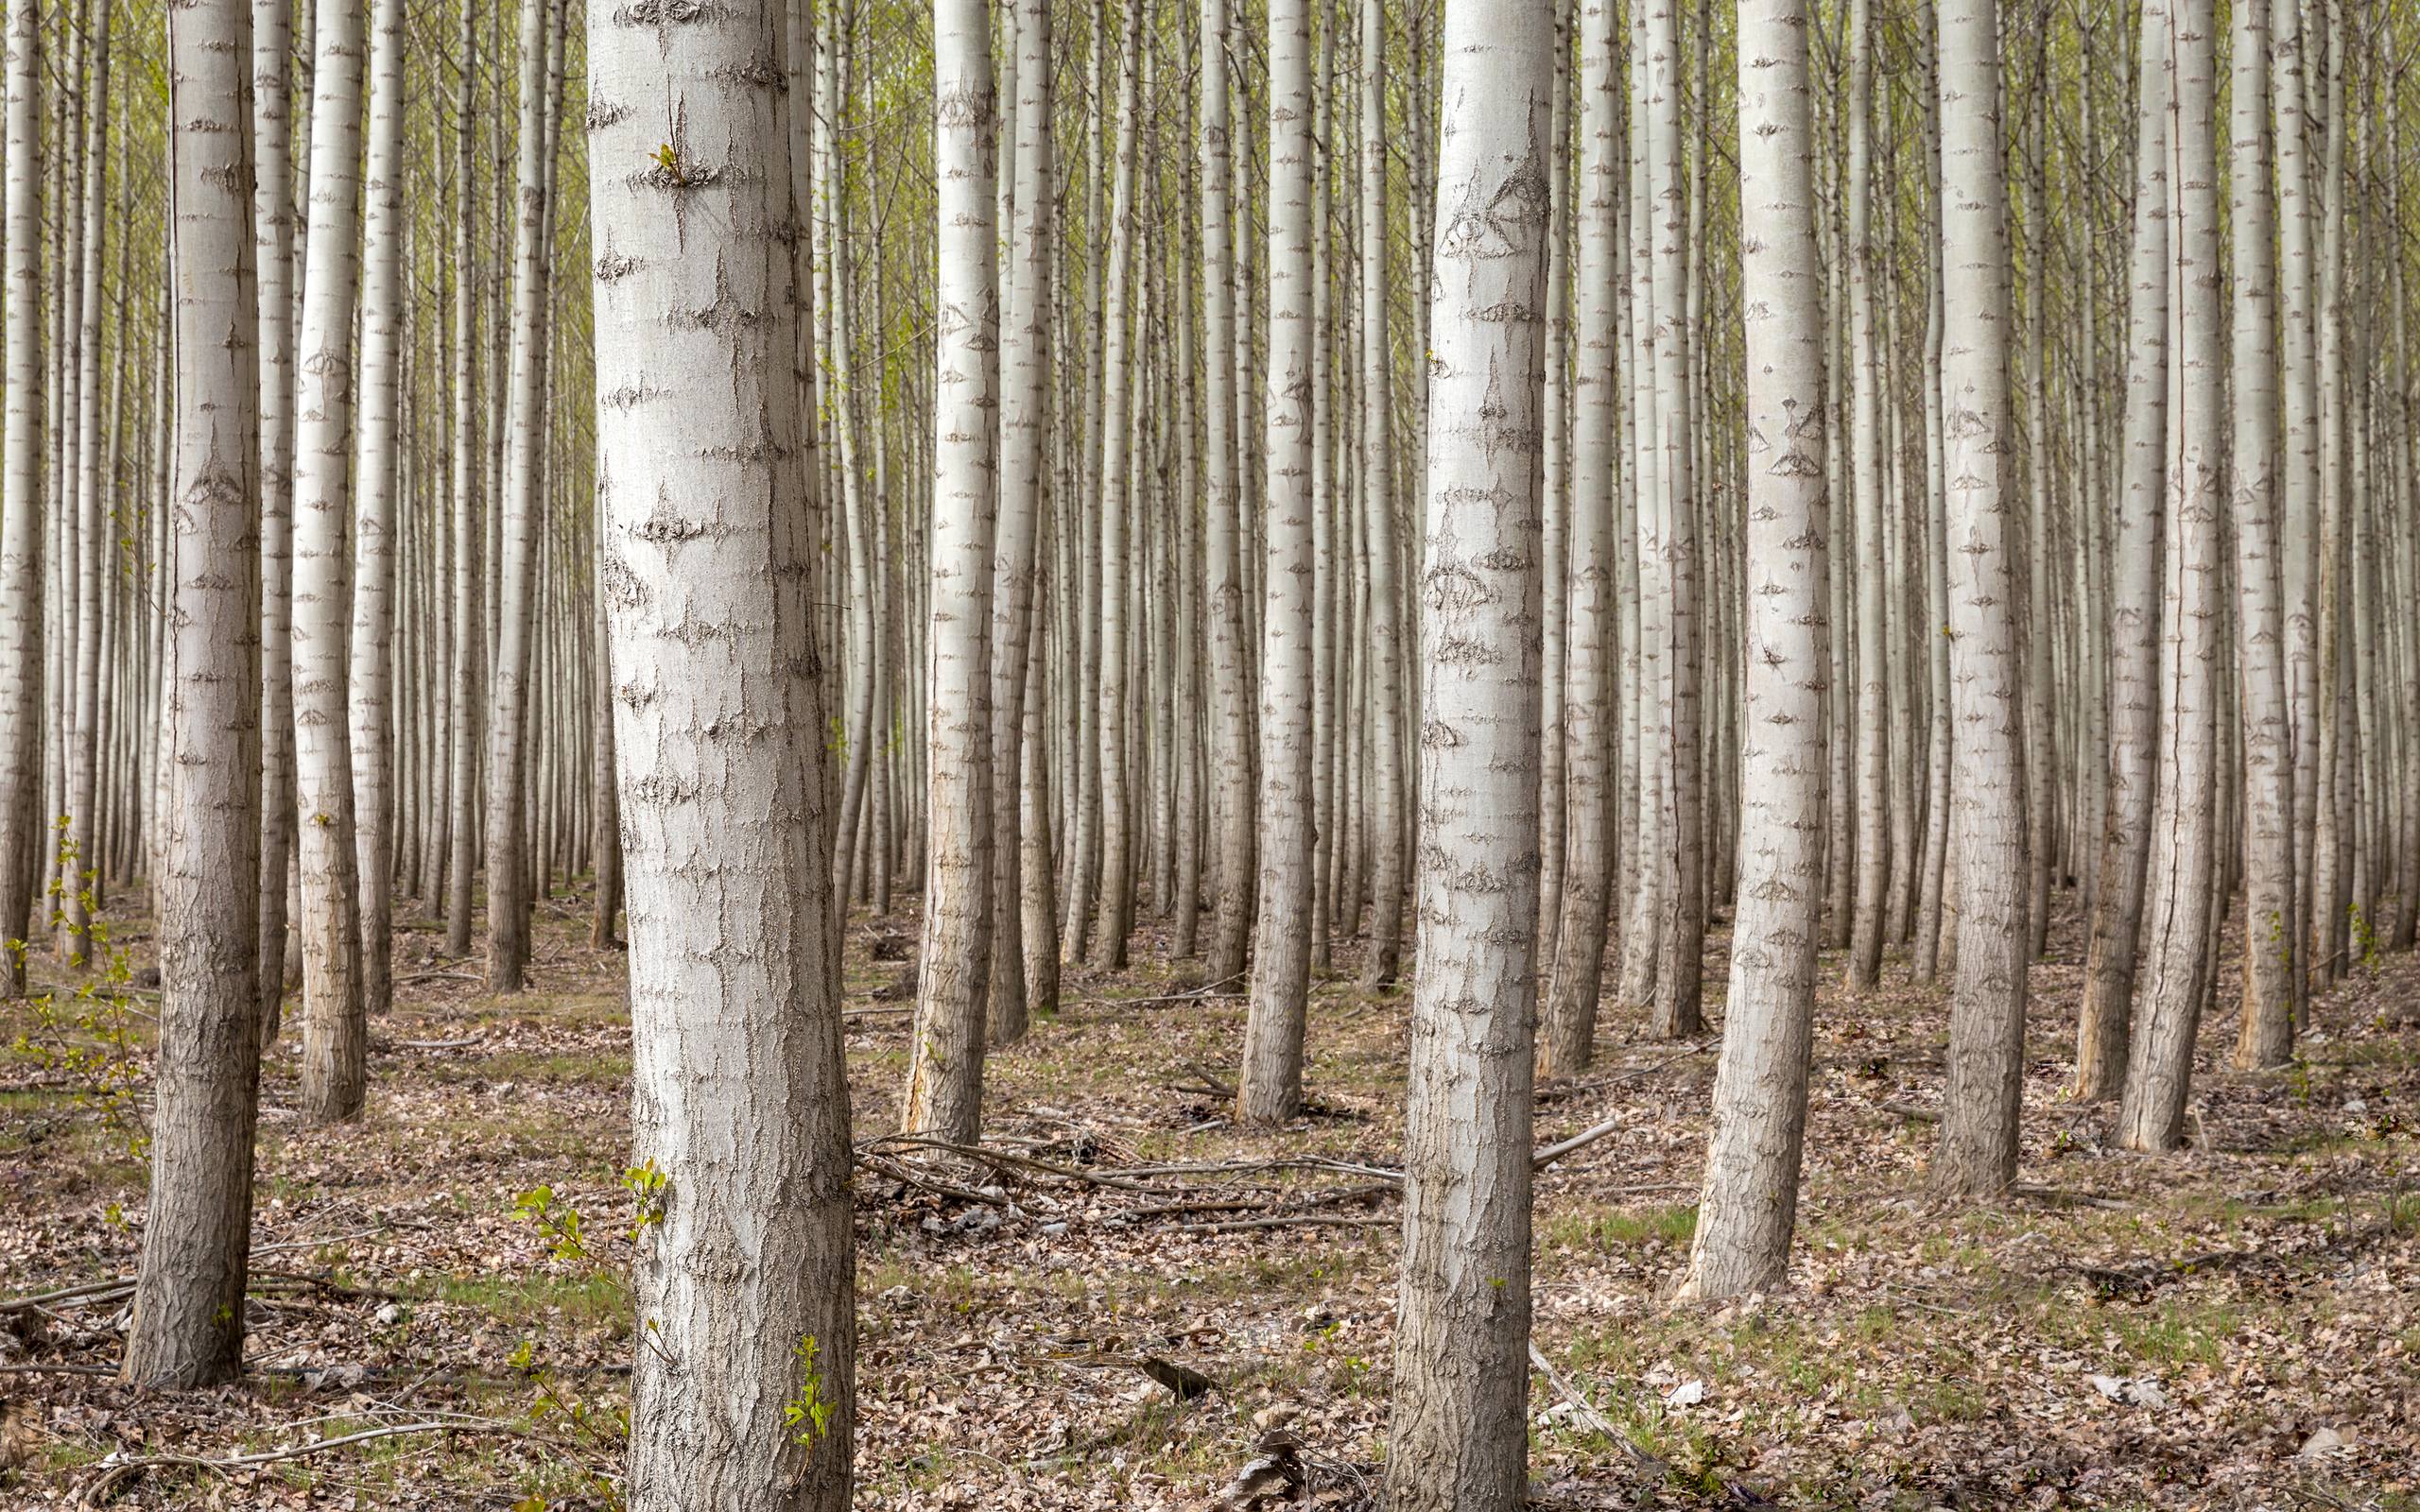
(1459, 1429)
(273, 234)
(1750, 1205)
(187, 1324)
(1977, 1156)
(1391, 817)
(336, 1036)
(945, 1072)
(2267, 1031)
(1223, 505)
(376, 520)
(1872, 711)
(2134, 616)
(1270, 1088)
(1119, 500)
(741, 1096)
(20, 507)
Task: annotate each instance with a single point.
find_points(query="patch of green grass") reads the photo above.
(523, 1299)
(1625, 1227)
(2180, 1333)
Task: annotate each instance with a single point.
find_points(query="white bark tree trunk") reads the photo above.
(273, 234)
(1457, 1438)
(187, 1328)
(336, 1038)
(945, 1069)
(1750, 1206)
(21, 501)
(1391, 818)
(375, 518)
(2104, 1027)
(1270, 1088)
(1223, 505)
(741, 1099)
(2178, 957)
(1977, 1156)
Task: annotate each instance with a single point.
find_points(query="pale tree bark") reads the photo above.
(2177, 957)
(80, 878)
(2266, 1035)
(1024, 370)
(1932, 903)
(375, 514)
(1458, 1433)
(335, 1036)
(1270, 1090)
(508, 687)
(2133, 614)
(1750, 1206)
(1118, 500)
(1223, 506)
(1977, 1155)
(470, 533)
(741, 1099)
(945, 1069)
(2298, 534)
(187, 1324)
(1389, 815)
(1590, 724)
(1680, 934)
(273, 238)
(21, 503)
(1872, 711)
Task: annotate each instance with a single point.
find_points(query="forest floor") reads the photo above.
(2235, 1326)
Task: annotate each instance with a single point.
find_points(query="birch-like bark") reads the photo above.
(1024, 433)
(2104, 1027)
(1977, 1156)
(744, 1283)
(1458, 1433)
(1750, 1206)
(187, 1324)
(470, 531)
(2266, 1034)
(1391, 820)
(2298, 536)
(80, 879)
(1589, 723)
(21, 503)
(1118, 502)
(273, 236)
(944, 1093)
(1270, 1090)
(508, 687)
(2177, 957)
(1872, 711)
(376, 515)
(1223, 506)
(336, 1035)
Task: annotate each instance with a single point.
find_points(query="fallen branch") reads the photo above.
(1580, 1406)
(228, 1464)
(1291, 1220)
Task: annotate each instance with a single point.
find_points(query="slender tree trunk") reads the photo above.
(375, 518)
(1977, 1156)
(21, 503)
(1874, 713)
(1119, 506)
(1589, 723)
(1025, 432)
(2178, 955)
(336, 1036)
(1750, 1205)
(2133, 617)
(2266, 1035)
(1460, 1431)
(945, 1072)
(186, 1329)
(80, 883)
(1391, 816)
(508, 691)
(470, 531)
(273, 233)
(1270, 1088)
(741, 1097)
(1223, 504)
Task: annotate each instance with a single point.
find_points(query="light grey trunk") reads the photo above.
(1750, 1205)
(187, 1324)
(1391, 817)
(1977, 1156)
(273, 234)
(1223, 504)
(1270, 1090)
(944, 1092)
(1458, 1432)
(335, 1036)
(745, 1281)
(21, 502)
